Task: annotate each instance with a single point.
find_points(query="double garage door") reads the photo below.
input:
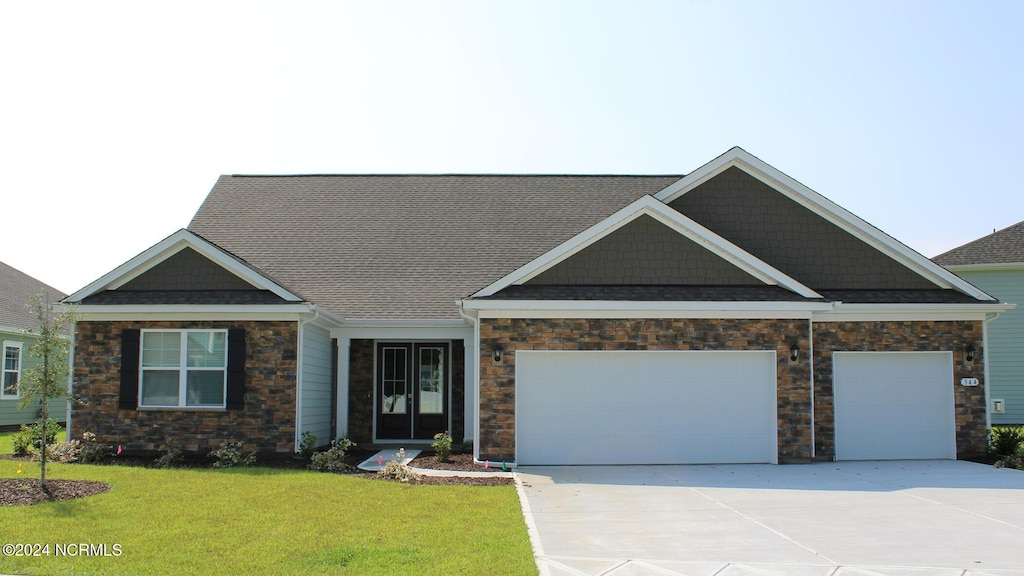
(645, 407)
(690, 407)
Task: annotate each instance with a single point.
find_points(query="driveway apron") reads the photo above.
(896, 518)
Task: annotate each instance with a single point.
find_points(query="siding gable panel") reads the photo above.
(788, 236)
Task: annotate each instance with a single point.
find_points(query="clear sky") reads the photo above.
(117, 117)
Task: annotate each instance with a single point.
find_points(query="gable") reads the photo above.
(644, 252)
(187, 270)
(790, 237)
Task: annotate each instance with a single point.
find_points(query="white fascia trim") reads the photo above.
(142, 312)
(169, 247)
(910, 312)
(824, 207)
(993, 267)
(411, 323)
(632, 309)
(649, 206)
(12, 330)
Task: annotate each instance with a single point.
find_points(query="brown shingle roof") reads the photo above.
(403, 246)
(1003, 247)
(16, 288)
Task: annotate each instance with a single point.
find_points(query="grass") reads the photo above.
(268, 521)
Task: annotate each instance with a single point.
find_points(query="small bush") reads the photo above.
(332, 459)
(26, 440)
(442, 446)
(62, 452)
(232, 454)
(92, 451)
(465, 447)
(307, 445)
(1005, 441)
(395, 470)
(173, 457)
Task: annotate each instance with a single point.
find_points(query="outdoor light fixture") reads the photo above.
(794, 353)
(498, 349)
(969, 352)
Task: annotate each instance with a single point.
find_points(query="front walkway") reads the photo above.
(827, 519)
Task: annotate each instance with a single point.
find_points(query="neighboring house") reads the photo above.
(16, 288)
(729, 315)
(995, 263)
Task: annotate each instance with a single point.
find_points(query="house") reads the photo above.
(16, 288)
(728, 315)
(995, 263)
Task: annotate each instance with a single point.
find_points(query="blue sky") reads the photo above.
(117, 117)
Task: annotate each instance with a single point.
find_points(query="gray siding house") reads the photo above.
(995, 263)
(727, 315)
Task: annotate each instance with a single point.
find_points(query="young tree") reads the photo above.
(48, 379)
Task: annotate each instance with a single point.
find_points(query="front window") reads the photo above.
(183, 368)
(12, 369)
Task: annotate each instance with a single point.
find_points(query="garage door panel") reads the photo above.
(634, 407)
(894, 405)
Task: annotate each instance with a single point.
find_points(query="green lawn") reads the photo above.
(268, 521)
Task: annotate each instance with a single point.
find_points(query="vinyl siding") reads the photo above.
(10, 415)
(316, 383)
(1005, 340)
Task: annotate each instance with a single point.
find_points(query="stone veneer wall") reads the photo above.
(360, 392)
(900, 336)
(266, 423)
(497, 382)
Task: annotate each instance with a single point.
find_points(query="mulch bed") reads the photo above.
(24, 491)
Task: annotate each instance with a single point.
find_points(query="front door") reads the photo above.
(412, 389)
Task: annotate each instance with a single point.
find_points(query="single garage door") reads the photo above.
(645, 407)
(894, 405)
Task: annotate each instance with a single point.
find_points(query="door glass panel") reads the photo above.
(432, 378)
(393, 387)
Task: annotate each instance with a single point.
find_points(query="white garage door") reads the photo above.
(645, 407)
(894, 405)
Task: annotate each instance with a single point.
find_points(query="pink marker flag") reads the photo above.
(118, 449)
(380, 459)
(487, 464)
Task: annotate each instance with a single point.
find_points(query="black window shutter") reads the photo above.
(129, 393)
(236, 369)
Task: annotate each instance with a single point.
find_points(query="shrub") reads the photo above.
(63, 452)
(232, 454)
(442, 446)
(26, 440)
(1005, 441)
(395, 470)
(173, 457)
(307, 445)
(93, 452)
(466, 447)
(332, 459)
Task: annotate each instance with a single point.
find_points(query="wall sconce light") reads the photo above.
(969, 352)
(794, 353)
(498, 349)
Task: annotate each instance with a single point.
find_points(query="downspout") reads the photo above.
(474, 353)
(810, 361)
(984, 360)
(298, 372)
(71, 382)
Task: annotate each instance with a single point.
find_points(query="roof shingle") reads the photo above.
(16, 288)
(1003, 247)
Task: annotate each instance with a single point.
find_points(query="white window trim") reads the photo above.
(183, 370)
(3, 365)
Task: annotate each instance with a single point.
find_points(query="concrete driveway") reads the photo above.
(865, 518)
